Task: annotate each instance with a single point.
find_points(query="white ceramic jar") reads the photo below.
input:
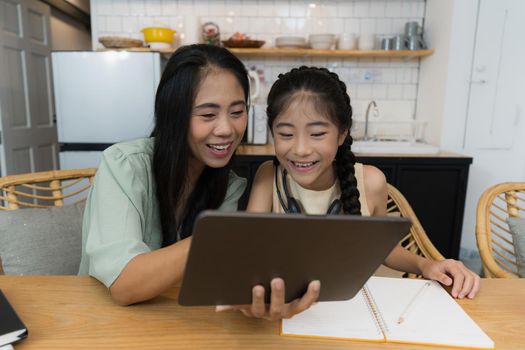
(346, 41)
(366, 41)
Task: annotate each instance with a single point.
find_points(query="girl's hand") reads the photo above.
(465, 282)
(277, 309)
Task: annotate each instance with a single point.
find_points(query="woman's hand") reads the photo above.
(452, 272)
(277, 309)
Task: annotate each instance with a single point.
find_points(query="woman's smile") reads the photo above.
(220, 149)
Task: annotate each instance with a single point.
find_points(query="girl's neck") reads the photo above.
(327, 181)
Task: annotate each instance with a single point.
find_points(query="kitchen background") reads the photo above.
(466, 93)
(391, 82)
(470, 92)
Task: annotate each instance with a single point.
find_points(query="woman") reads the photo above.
(146, 194)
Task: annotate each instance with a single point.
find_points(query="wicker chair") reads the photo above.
(492, 231)
(416, 240)
(45, 189)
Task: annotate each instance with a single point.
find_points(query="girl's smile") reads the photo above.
(302, 166)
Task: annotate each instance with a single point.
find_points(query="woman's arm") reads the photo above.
(149, 274)
(114, 251)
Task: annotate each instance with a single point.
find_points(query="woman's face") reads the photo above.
(218, 120)
(306, 144)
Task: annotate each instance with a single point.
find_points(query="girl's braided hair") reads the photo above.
(331, 100)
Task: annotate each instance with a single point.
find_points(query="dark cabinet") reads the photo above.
(435, 187)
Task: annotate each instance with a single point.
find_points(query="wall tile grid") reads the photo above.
(392, 82)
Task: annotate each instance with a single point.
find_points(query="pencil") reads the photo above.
(412, 301)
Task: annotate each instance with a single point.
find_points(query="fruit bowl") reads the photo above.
(243, 43)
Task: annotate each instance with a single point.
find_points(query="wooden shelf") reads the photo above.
(271, 52)
(276, 52)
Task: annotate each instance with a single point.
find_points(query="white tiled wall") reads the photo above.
(391, 82)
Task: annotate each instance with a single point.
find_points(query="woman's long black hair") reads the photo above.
(331, 100)
(174, 101)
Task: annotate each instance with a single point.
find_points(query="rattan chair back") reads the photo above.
(45, 189)
(416, 239)
(493, 235)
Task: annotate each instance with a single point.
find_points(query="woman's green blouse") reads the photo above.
(121, 219)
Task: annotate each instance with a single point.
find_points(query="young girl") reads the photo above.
(147, 192)
(310, 116)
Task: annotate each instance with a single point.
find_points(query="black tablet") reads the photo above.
(232, 252)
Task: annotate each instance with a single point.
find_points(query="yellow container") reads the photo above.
(155, 34)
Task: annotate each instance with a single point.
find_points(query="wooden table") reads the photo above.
(70, 312)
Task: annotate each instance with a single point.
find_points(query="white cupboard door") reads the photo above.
(29, 137)
(498, 75)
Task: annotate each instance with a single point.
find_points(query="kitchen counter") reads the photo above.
(268, 150)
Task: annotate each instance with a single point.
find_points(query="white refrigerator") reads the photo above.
(102, 98)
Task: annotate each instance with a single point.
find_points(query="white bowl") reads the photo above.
(290, 41)
(321, 41)
(321, 45)
(158, 45)
(321, 37)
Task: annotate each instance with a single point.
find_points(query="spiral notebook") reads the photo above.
(12, 329)
(393, 310)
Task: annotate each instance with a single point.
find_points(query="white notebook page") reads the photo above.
(434, 316)
(339, 319)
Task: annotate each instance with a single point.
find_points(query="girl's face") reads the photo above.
(218, 120)
(306, 144)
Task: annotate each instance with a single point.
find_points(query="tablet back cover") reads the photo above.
(232, 252)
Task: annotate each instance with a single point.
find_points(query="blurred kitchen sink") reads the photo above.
(406, 147)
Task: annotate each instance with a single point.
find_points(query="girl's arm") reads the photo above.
(149, 274)
(448, 272)
(377, 196)
(261, 194)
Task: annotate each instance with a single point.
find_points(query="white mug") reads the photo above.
(346, 41)
(255, 84)
(191, 32)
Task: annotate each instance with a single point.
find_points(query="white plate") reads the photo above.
(285, 46)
